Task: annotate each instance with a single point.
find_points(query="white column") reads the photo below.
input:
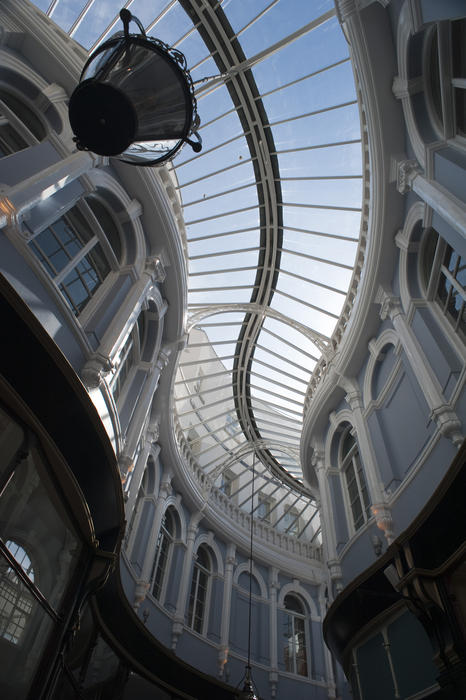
(20, 198)
(152, 435)
(100, 363)
(451, 209)
(366, 449)
(178, 620)
(331, 685)
(329, 538)
(226, 609)
(273, 673)
(447, 421)
(142, 585)
(144, 403)
(326, 510)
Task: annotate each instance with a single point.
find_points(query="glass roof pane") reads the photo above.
(96, 22)
(147, 10)
(342, 159)
(334, 86)
(339, 124)
(331, 192)
(193, 48)
(345, 223)
(322, 47)
(172, 25)
(227, 222)
(283, 18)
(65, 12)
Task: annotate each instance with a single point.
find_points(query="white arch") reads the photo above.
(388, 337)
(296, 587)
(174, 502)
(99, 178)
(207, 538)
(317, 338)
(343, 416)
(244, 568)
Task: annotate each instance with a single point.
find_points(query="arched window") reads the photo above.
(444, 277)
(446, 71)
(77, 253)
(198, 597)
(294, 643)
(354, 480)
(163, 553)
(19, 125)
(16, 601)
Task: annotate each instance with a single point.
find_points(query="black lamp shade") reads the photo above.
(134, 100)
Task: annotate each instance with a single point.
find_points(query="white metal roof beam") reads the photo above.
(316, 259)
(224, 233)
(276, 383)
(306, 303)
(224, 252)
(336, 236)
(187, 380)
(311, 281)
(220, 194)
(282, 371)
(324, 110)
(290, 345)
(229, 269)
(304, 77)
(316, 146)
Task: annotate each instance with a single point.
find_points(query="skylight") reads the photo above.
(272, 210)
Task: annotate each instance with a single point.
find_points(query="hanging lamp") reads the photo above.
(135, 100)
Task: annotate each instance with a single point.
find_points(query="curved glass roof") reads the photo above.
(272, 211)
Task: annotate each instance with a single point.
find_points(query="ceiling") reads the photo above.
(272, 212)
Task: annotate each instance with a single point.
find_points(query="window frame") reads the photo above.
(71, 218)
(445, 125)
(8, 117)
(167, 536)
(432, 281)
(352, 459)
(197, 571)
(303, 617)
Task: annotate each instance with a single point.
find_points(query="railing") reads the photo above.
(224, 506)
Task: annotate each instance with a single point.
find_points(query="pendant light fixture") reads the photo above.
(135, 100)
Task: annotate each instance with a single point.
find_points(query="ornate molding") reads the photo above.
(155, 269)
(448, 424)
(383, 518)
(94, 371)
(407, 170)
(140, 592)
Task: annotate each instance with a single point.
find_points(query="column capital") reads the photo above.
(153, 432)
(390, 305)
(317, 459)
(140, 592)
(155, 269)
(94, 370)
(354, 400)
(407, 170)
(448, 424)
(126, 466)
(383, 518)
